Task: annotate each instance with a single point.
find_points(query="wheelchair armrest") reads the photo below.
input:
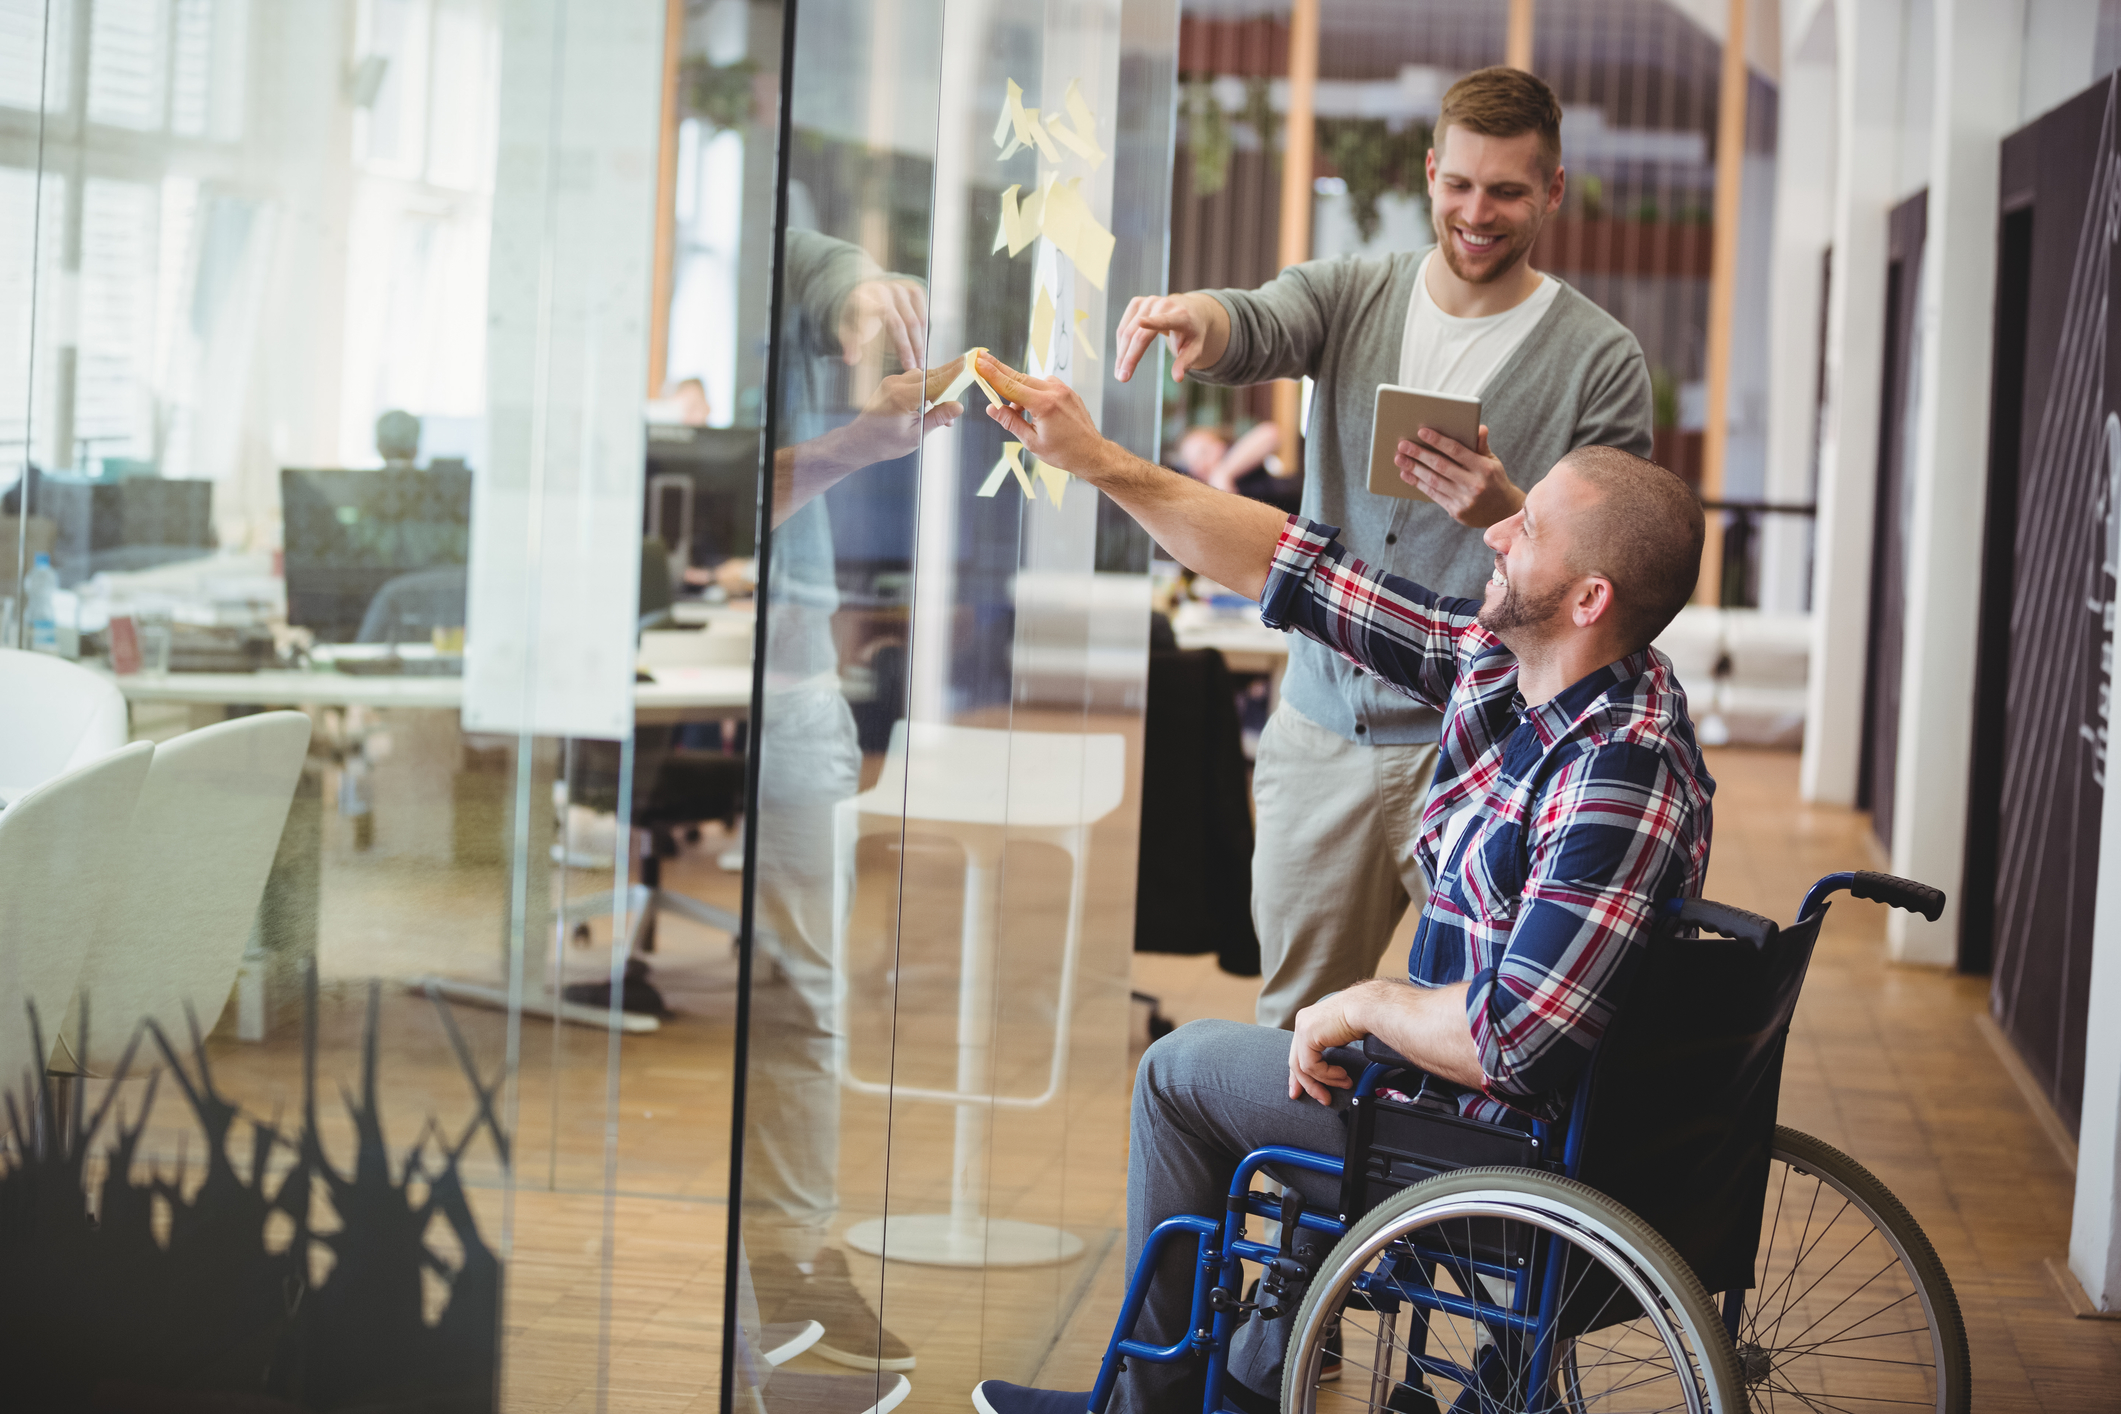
(1367, 1052)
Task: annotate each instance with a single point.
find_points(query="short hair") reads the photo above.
(1643, 533)
(1504, 102)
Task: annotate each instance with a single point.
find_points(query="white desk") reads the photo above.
(1247, 645)
(710, 693)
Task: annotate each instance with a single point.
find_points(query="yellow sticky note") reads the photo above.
(1019, 228)
(1093, 249)
(994, 480)
(1081, 147)
(1042, 313)
(1051, 477)
(1037, 133)
(1013, 453)
(1031, 216)
(1082, 339)
(972, 367)
(1006, 121)
(1063, 216)
(1079, 111)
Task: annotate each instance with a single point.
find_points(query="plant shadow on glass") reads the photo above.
(106, 1307)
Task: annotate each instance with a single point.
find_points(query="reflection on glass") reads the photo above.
(954, 654)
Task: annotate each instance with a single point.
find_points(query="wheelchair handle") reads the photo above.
(1888, 889)
(1724, 919)
(1899, 892)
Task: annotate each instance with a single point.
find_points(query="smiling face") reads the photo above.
(1488, 197)
(1525, 603)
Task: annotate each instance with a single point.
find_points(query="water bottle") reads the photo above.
(39, 588)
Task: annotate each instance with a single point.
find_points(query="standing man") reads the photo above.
(1345, 763)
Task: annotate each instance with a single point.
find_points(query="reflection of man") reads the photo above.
(809, 761)
(1345, 763)
(1570, 800)
(1243, 466)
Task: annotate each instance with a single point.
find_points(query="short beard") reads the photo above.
(1520, 251)
(1520, 617)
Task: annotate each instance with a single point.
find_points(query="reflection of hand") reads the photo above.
(1046, 415)
(891, 424)
(896, 308)
(1468, 482)
(1175, 317)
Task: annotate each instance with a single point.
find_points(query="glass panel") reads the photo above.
(955, 650)
(323, 351)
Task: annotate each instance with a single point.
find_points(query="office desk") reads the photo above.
(702, 694)
(1247, 645)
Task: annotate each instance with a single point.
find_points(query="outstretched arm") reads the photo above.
(1227, 538)
(1303, 577)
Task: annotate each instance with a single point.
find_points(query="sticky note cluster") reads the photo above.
(1054, 208)
(1012, 461)
(1057, 211)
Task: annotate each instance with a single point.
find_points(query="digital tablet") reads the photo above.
(1400, 414)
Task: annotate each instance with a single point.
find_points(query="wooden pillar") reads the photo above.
(1517, 48)
(1301, 132)
(664, 275)
(1723, 284)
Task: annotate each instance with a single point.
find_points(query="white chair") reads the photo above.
(984, 789)
(57, 852)
(54, 716)
(181, 885)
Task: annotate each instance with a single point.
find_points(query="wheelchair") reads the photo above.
(1684, 1253)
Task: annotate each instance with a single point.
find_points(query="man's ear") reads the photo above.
(1556, 187)
(1593, 602)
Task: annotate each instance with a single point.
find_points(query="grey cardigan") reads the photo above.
(1577, 380)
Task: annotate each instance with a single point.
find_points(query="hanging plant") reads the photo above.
(1259, 112)
(719, 95)
(1373, 160)
(1207, 136)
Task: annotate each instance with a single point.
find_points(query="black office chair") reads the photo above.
(1193, 884)
(675, 788)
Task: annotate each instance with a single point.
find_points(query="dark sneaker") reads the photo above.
(1001, 1397)
(826, 1294)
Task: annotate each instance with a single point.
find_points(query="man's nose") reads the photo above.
(1497, 536)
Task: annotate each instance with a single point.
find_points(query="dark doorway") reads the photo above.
(2051, 635)
(1992, 653)
(1905, 229)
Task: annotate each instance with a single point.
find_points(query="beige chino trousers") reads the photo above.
(1333, 866)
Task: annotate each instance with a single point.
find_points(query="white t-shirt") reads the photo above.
(1442, 353)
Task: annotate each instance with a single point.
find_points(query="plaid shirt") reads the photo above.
(1551, 833)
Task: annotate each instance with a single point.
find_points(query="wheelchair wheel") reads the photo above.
(1417, 1291)
(1853, 1310)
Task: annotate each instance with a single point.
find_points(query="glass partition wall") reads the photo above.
(954, 650)
(444, 969)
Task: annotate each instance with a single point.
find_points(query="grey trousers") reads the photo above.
(809, 761)
(1205, 1096)
(1333, 866)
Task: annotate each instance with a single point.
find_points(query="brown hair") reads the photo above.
(1643, 534)
(1504, 102)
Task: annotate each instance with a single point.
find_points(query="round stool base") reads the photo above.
(933, 1240)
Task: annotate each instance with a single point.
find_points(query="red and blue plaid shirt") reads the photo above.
(1551, 833)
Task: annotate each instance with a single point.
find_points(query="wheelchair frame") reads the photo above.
(1223, 1247)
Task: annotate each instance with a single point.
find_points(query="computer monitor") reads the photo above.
(350, 533)
(135, 523)
(722, 464)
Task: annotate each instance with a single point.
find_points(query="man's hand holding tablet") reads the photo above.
(1413, 436)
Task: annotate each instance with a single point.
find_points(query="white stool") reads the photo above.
(983, 789)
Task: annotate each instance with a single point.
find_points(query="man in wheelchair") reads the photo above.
(1570, 798)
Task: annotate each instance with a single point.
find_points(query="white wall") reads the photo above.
(1882, 98)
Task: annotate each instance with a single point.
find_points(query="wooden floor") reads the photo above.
(1887, 1063)
(614, 1225)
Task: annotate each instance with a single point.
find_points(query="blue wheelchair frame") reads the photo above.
(1223, 1247)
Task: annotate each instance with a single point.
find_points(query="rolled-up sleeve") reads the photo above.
(1611, 847)
(1399, 632)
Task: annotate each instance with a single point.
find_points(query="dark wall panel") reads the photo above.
(2064, 169)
